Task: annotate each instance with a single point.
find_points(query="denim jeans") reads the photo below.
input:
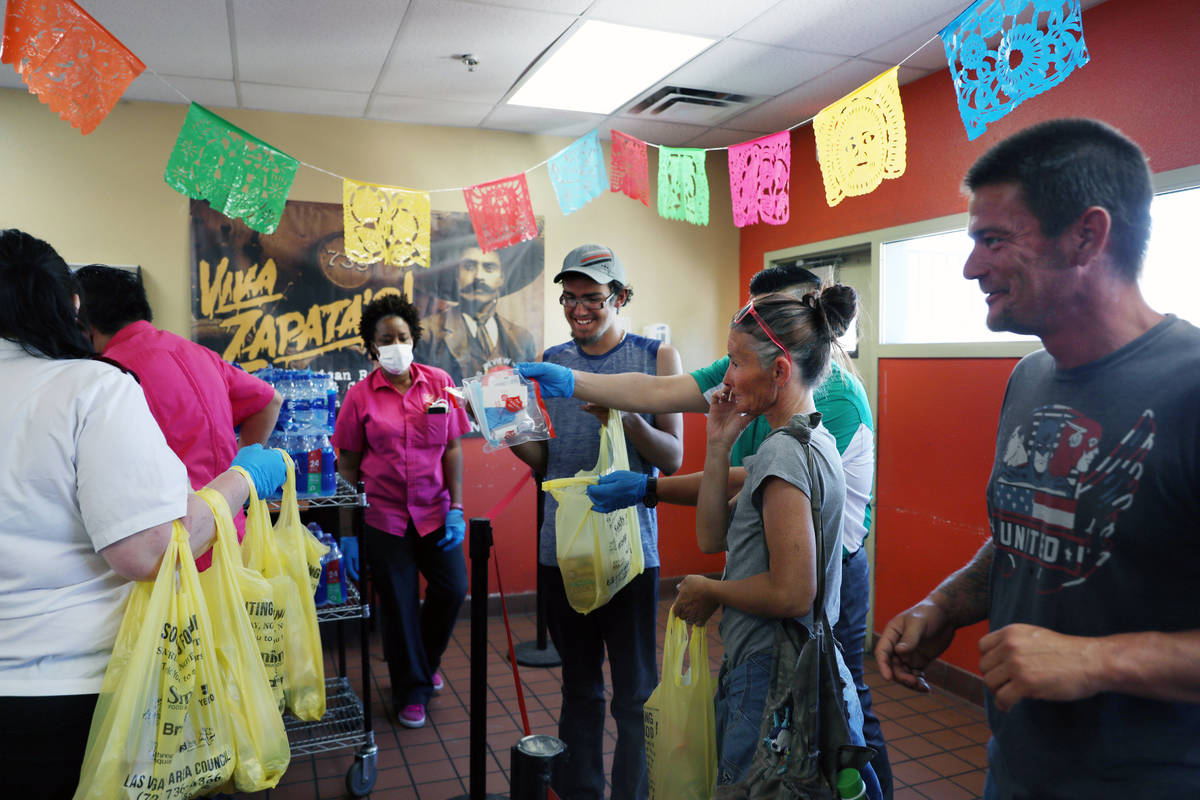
(851, 632)
(626, 628)
(739, 706)
(415, 634)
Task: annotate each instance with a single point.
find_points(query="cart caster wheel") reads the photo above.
(360, 780)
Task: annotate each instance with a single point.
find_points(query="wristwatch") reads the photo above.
(650, 499)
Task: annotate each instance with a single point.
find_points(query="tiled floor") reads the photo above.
(936, 742)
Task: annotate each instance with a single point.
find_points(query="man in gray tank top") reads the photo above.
(594, 291)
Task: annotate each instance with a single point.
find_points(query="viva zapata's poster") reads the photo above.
(293, 299)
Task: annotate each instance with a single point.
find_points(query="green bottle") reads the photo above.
(850, 785)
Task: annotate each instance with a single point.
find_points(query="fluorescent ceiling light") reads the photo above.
(602, 65)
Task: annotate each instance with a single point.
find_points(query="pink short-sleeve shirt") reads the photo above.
(402, 437)
(197, 398)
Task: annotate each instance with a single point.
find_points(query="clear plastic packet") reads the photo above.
(508, 409)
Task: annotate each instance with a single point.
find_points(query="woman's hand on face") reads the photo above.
(693, 603)
(724, 423)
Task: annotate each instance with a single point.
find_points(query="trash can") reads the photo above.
(534, 760)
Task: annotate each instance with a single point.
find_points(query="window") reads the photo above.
(926, 300)
(1171, 274)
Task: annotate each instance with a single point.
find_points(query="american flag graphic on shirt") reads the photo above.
(1054, 502)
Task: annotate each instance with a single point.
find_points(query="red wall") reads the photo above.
(936, 435)
(937, 417)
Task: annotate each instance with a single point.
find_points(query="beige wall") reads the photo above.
(101, 198)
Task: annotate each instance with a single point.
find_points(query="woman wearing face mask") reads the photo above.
(398, 431)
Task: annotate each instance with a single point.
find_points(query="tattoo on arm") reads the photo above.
(966, 594)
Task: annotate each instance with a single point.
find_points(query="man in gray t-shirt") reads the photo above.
(1088, 581)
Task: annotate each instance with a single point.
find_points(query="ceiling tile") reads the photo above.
(917, 47)
(328, 46)
(838, 26)
(722, 137)
(425, 111)
(176, 37)
(292, 100)
(751, 68)
(921, 46)
(504, 40)
(561, 6)
(803, 102)
(205, 91)
(670, 135)
(698, 17)
(542, 120)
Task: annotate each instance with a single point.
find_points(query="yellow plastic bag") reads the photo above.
(681, 731)
(268, 612)
(304, 666)
(598, 554)
(260, 740)
(162, 726)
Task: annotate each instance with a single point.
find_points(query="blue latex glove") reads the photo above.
(266, 468)
(456, 529)
(349, 546)
(617, 490)
(554, 380)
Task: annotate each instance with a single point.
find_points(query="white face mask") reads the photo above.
(396, 358)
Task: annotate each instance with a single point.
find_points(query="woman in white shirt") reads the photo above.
(88, 494)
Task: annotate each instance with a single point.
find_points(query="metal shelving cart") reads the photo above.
(347, 720)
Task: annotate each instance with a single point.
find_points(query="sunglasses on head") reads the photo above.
(749, 309)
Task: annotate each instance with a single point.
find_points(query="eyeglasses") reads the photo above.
(590, 303)
(749, 309)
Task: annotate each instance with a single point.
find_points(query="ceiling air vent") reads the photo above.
(696, 106)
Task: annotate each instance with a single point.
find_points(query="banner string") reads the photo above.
(536, 166)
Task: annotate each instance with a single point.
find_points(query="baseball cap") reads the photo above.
(595, 261)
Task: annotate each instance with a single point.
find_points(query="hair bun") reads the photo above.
(838, 304)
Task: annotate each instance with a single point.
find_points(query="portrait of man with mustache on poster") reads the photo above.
(469, 335)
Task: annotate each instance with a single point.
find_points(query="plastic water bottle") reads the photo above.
(850, 785)
(312, 472)
(328, 468)
(317, 400)
(298, 450)
(331, 393)
(278, 380)
(321, 593)
(335, 582)
(302, 405)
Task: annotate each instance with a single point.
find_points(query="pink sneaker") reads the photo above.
(438, 683)
(412, 716)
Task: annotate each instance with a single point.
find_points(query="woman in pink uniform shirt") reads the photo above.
(399, 431)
